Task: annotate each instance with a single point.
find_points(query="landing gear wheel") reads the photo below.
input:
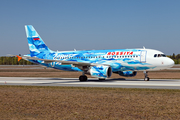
(101, 78)
(83, 78)
(146, 79)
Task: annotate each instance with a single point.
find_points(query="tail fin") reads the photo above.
(37, 46)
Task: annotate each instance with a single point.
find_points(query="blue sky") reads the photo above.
(91, 24)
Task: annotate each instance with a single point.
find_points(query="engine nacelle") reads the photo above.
(127, 73)
(101, 71)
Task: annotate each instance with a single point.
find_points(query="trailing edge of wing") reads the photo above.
(64, 62)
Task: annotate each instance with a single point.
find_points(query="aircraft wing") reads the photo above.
(61, 61)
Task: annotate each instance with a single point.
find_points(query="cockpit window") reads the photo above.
(159, 55)
(163, 55)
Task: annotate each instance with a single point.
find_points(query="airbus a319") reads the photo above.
(97, 63)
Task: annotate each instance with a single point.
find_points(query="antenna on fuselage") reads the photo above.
(144, 47)
(74, 49)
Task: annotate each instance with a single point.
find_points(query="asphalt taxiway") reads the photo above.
(92, 82)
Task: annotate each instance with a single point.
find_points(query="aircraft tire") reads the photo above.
(83, 78)
(146, 79)
(102, 79)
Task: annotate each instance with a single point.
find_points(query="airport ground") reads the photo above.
(38, 71)
(48, 102)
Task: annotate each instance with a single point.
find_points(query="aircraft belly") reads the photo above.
(67, 68)
(131, 65)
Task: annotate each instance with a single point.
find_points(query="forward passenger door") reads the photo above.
(143, 56)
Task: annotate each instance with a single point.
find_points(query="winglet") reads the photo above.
(19, 58)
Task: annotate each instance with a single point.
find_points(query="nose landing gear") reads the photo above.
(146, 78)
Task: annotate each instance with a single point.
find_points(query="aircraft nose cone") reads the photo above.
(170, 62)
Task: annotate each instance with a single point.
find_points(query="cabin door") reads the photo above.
(143, 56)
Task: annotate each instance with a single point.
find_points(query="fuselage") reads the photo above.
(119, 60)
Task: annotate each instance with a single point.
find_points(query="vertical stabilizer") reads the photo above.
(37, 46)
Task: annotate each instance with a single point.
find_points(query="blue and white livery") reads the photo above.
(98, 63)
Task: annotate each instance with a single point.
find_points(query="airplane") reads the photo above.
(97, 63)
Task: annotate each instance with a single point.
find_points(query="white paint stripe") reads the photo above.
(75, 81)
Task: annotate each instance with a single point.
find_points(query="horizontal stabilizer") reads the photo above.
(19, 58)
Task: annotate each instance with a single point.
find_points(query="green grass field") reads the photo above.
(31, 102)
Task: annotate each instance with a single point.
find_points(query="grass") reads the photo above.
(31, 102)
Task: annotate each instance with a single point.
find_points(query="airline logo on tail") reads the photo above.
(36, 38)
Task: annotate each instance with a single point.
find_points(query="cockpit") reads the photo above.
(159, 55)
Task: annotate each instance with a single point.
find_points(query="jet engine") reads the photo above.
(100, 71)
(127, 73)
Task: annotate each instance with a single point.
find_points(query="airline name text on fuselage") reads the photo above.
(120, 53)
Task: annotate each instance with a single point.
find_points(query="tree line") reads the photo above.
(14, 60)
(176, 58)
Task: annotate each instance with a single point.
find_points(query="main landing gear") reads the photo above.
(102, 79)
(83, 78)
(146, 78)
